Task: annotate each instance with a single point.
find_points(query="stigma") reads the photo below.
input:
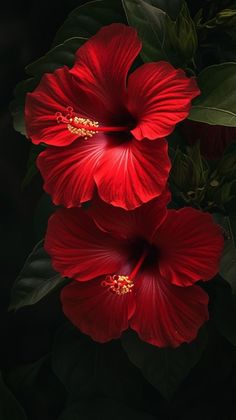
(118, 284)
(121, 284)
(84, 127)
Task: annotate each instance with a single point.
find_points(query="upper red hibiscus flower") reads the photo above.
(213, 138)
(135, 269)
(98, 114)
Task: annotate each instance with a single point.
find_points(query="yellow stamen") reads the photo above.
(82, 131)
(118, 284)
(82, 127)
(121, 284)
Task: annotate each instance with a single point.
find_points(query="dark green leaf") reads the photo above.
(10, 409)
(36, 280)
(17, 106)
(150, 24)
(163, 38)
(102, 409)
(61, 55)
(189, 174)
(182, 35)
(164, 368)
(37, 388)
(228, 259)
(228, 264)
(223, 309)
(86, 367)
(171, 7)
(87, 19)
(24, 376)
(216, 104)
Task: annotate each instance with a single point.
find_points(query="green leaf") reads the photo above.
(228, 259)
(164, 368)
(162, 37)
(189, 174)
(38, 388)
(57, 57)
(61, 55)
(86, 367)
(87, 19)
(182, 35)
(171, 7)
(17, 106)
(36, 280)
(216, 104)
(10, 409)
(150, 24)
(102, 409)
(24, 376)
(228, 264)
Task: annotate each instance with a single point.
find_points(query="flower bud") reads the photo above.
(182, 33)
(221, 194)
(226, 168)
(189, 173)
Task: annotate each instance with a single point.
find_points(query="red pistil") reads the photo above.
(136, 268)
(122, 284)
(84, 127)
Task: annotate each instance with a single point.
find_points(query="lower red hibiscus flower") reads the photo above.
(100, 123)
(213, 138)
(135, 269)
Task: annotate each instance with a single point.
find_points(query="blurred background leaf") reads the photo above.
(9, 407)
(36, 280)
(216, 104)
(164, 368)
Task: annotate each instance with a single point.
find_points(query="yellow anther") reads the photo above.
(85, 131)
(82, 127)
(118, 284)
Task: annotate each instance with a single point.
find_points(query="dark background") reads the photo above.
(26, 32)
(27, 29)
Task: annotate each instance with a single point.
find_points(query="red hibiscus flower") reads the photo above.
(213, 138)
(135, 269)
(94, 115)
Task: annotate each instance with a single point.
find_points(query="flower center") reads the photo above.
(118, 284)
(84, 127)
(121, 284)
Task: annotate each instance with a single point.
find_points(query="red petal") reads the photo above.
(69, 172)
(167, 315)
(132, 173)
(101, 68)
(54, 93)
(96, 311)
(159, 96)
(190, 245)
(141, 222)
(79, 249)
